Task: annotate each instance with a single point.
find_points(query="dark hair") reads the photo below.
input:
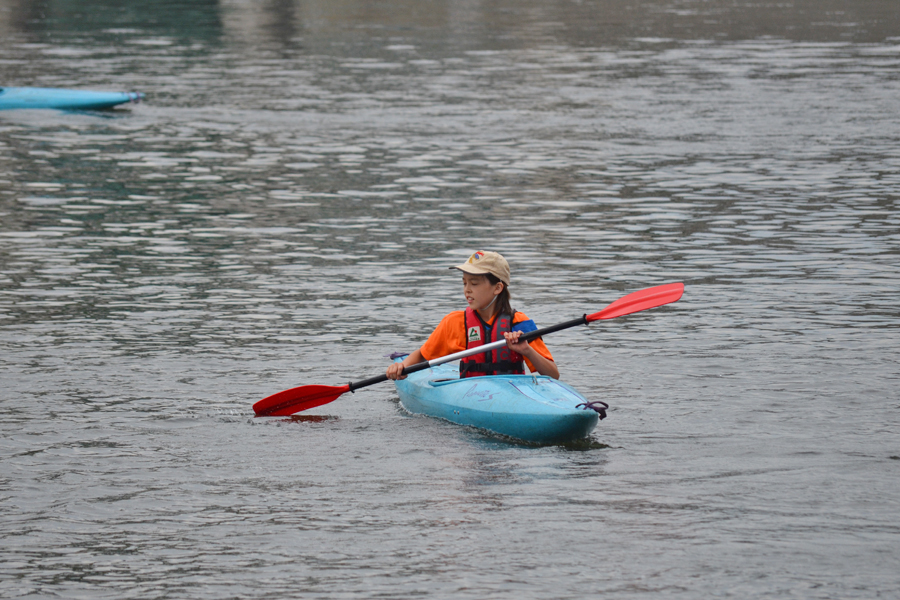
(503, 306)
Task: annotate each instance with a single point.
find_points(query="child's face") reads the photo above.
(478, 290)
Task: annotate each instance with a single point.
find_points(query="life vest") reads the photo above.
(500, 361)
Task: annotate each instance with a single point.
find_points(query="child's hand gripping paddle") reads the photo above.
(305, 397)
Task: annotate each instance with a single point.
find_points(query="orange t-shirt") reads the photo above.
(450, 336)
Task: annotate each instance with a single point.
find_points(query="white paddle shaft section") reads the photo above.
(465, 353)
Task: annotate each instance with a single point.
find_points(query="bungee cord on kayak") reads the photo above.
(601, 410)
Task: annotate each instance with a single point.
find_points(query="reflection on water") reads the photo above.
(281, 210)
(587, 22)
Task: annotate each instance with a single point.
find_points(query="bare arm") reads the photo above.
(394, 370)
(544, 366)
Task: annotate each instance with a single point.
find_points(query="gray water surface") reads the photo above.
(282, 210)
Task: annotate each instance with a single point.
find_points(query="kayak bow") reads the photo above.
(60, 99)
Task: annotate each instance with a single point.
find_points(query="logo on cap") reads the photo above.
(477, 256)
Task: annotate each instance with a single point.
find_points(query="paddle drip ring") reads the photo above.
(601, 410)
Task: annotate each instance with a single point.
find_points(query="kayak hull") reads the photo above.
(60, 99)
(533, 408)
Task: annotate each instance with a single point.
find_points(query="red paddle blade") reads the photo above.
(296, 399)
(640, 300)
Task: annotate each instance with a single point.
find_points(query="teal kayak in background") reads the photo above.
(533, 408)
(29, 97)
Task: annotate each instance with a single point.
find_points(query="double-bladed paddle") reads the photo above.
(305, 397)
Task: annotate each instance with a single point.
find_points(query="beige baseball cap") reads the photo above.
(483, 262)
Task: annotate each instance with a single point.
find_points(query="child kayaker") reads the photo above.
(488, 318)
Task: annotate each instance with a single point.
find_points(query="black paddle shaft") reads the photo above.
(525, 337)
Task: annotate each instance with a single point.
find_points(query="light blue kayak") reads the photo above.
(29, 97)
(533, 408)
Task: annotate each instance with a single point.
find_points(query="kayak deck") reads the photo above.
(533, 408)
(62, 99)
